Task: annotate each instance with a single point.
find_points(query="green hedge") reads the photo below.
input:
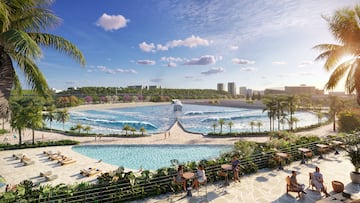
(37, 144)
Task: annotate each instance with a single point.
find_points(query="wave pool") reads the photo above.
(150, 157)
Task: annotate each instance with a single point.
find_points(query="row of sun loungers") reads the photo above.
(24, 159)
(63, 160)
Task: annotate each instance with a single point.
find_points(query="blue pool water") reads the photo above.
(194, 118)
(150, 157)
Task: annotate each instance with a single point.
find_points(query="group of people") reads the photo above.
(200, 177)
(317, 181)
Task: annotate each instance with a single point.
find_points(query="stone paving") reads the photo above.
(268, 185)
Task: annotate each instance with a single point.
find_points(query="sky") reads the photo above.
(191, 43)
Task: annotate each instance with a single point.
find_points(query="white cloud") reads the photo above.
(111, 22)
(147, 47)
(171, 64)
(171, 59)
(105, 70)
(192, 41)
(242, 61)
(119, 70)
(248, 69)
(233, 47)
(131, 71)
(213, 71)
(161, 47)
(305, 64)
(278, 62)
(145, 62)
(203, 60)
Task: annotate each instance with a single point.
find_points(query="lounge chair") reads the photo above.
(28, 162)
(93, 172)
(51, 177)
(18, 156)
(47, 173)
(55, 157)
(67, 161)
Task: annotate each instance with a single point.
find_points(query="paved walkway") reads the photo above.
(269, 185)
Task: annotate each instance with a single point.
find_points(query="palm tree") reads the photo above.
(87, 129)
(126, 128)
(21, 39)
(252, 124)
(292, 106)
(142, 130)
(50, 114)
(230, 123)
(34, 116)
(62, 116)
(78, 127)
(336, 105)
(343, 58)
(214, 125)
(18, 117)
(259, 124)
(295, 120)
(270, 107)
(133, 130)
(221, 123)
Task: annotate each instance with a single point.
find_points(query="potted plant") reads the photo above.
(352, 147)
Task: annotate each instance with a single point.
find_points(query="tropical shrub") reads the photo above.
(349, 121)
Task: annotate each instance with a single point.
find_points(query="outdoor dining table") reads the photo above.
(321, 149)
(303, 152)
(226, 167)
(281, 156)
(188, 176)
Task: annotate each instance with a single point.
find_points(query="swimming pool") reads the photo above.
(157, 119)
(150, 157)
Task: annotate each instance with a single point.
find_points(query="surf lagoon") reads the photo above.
(194, 118)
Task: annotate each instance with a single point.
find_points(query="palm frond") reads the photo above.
(344, 26)
(337, 74)
(20, 42)
(4, 16)
(334, 58)
(33, 75)
(36, 20)
(60, 44)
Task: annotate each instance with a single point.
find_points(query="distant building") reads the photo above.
(152, 87)
(232, 88)
(137, 87)
(220, 87)
(334, 93)
(278, 90)
(242, 91)
(302, 89)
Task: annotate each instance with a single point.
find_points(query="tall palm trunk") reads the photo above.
(20, 140)
(7, 75)
(33, 136)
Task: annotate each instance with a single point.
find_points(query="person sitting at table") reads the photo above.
(318, 181)
(295, 186)
(235, 164)
(180, 178)
(200, 177)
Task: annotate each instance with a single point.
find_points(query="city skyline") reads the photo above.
(191, 44)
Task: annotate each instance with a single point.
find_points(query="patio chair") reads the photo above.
(51, 177)
(204, 183)
(289, 188)
(28, 162)
(46, 173)
(308, 155)
(310, 181)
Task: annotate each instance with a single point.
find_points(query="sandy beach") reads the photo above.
(13, 171)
